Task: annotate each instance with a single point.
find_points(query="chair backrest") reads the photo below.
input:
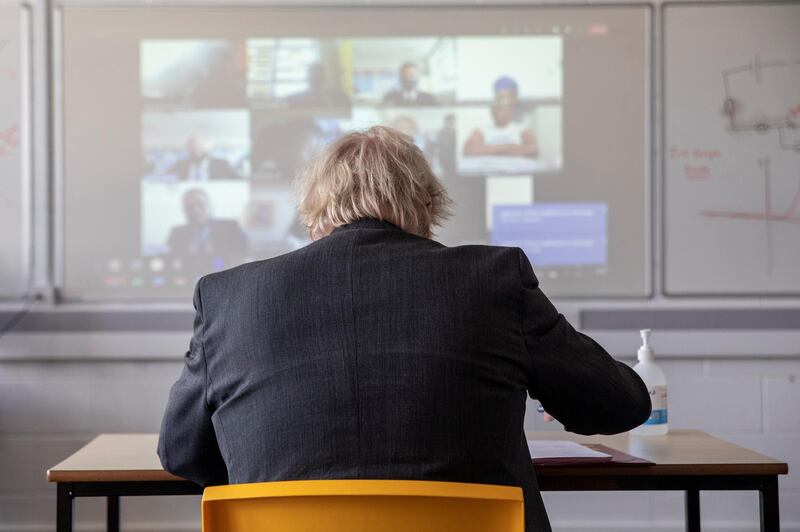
(363, 506)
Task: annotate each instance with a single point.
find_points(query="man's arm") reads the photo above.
(476, 146)
(529, 147)
(187, 445)
(573, 377)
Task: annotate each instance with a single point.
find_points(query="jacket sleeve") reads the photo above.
(574, 378)
(187, 444)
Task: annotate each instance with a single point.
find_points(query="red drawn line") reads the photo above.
(9, 139)
(795, 203)
(696, 173)
(790, 216)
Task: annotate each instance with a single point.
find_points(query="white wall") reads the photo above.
(50, 409)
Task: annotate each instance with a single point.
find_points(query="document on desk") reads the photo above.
(564, 452)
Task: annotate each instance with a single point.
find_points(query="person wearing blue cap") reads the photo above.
(506, 137)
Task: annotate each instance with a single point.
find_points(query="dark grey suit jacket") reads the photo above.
(374, 353)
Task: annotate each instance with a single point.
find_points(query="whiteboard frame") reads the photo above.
(56, 123)
(26, 140)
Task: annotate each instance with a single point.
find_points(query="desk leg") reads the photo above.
(112, 513)
(768, 505)
(64, 501)
(693, 510)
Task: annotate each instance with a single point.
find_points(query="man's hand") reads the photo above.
(547, 417)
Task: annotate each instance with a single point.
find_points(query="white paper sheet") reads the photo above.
(559, 450)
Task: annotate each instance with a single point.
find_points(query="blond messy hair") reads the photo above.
(377, 173)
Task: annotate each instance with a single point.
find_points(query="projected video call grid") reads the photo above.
(211, 127)
(228, 124)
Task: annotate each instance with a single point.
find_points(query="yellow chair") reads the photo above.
(362, 506)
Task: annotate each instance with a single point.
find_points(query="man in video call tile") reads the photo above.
(203, 235)
(200, 165)
(408, 94)
(507, 135)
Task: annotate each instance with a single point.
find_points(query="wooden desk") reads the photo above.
(115, 465)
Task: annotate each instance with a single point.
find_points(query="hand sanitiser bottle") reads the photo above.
(656, 384)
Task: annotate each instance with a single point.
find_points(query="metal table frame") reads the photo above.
(692, 485)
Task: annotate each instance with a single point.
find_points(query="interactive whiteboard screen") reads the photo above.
(732, 149)
(184, 128)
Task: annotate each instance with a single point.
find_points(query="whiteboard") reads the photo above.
(14, 154)
(732, 149)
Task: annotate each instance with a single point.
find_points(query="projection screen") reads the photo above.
(183, 129)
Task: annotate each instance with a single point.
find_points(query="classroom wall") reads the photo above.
(53, 403)
(49, 409)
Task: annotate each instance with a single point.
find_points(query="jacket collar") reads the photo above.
(367, 223)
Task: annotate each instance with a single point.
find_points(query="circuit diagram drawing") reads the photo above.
(757, 102)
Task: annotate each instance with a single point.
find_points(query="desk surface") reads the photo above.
(132, 457)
